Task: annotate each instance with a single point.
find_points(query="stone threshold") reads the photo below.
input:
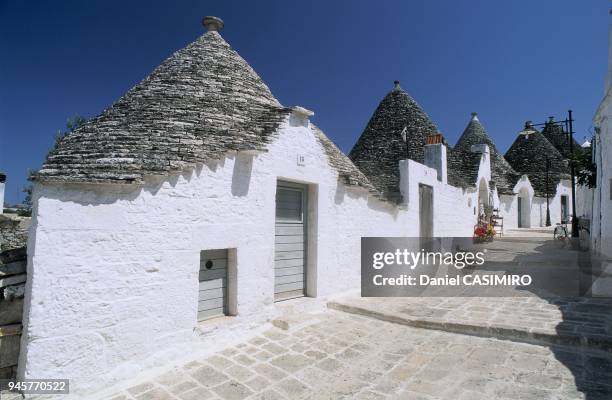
(521, 335)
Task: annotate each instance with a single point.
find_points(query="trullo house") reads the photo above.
(533, 155)
(176, 220)
(198, 195)
(500, 191)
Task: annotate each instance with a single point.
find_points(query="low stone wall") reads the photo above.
(13, 262)
(13, 231)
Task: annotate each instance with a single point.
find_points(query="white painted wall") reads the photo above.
(584, 202)
(113, 270)
(602, 200)
(537, 205)
(453, 216)
(538, 212)
(601, 227)
(509, 204)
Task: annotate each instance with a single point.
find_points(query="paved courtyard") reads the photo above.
(539, 315)
(339, 355)
(524, 347)
(433, 348)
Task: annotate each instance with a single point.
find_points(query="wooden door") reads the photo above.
(426, 211)
(212, 296)
(290, 241)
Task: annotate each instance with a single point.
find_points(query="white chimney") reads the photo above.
(300, 116)
(435, 156)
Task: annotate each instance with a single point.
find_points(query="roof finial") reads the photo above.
(397, 86)
(213, 23)
(474, 116)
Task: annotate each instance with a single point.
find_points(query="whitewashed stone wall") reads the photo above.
(601, 227)
(112, 285)
(602, 200)
(536, 205)
(113, 271)
(453, 213)
(584, 202)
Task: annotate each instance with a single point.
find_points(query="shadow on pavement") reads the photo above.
(578, 284)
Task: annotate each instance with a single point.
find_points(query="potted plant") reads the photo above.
(484, 233)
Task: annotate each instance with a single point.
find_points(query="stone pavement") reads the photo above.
(343, 356)
(576, 322)
(532, 316)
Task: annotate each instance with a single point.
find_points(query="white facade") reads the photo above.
(453, 215)
(601, 227)
(534, 207)
(508, 205)
(112, 285)
(113, 270)
(538, 213)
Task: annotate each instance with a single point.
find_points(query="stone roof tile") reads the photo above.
(557, 136)
(528, 155)
(380, 147)
(200, 103)
(504, 177)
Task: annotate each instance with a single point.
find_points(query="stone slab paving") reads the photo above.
(525, 315)
(577, 322)
(343, 356)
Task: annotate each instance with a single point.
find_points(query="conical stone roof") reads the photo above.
(528, 155)
(199, 104)
(380, 147)
(502, 174)
(555, 134)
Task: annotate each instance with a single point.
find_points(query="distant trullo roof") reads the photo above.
(528, 155)
(200, 103)
(503, 175)
(557, 136)
(381, 145)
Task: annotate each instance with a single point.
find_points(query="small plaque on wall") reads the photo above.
(301, 160)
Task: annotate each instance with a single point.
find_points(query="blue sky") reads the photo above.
(509, 61)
